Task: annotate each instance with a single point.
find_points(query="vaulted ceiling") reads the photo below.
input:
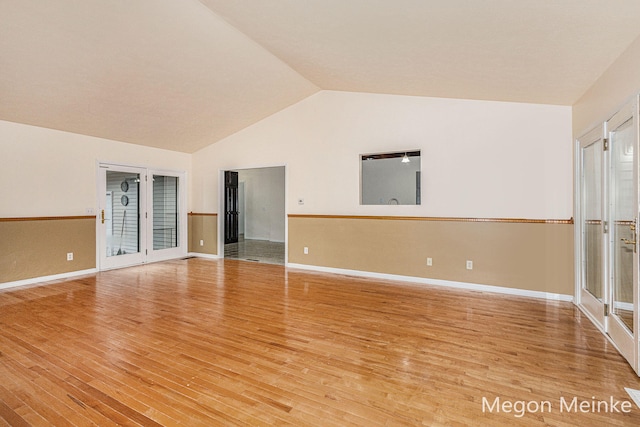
(182, 74)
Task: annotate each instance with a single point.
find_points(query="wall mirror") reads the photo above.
(390, 178)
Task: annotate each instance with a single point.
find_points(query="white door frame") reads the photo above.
(221, 190)
(146, 253)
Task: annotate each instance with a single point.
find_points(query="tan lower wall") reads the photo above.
(203, 227)
(31, 248)
(522, 255)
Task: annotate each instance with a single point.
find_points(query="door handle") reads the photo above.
(628, 242)
(102, 215)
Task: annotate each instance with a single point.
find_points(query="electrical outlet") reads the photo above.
(429, 262)
(69, 256)
(201, 242)
(306, 250)
(469, 265)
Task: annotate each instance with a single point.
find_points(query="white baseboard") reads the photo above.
(438, 282)
(41, 279)
(358, 273)
(263, 239)
(207, 256)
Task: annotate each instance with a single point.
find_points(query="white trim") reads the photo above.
(207, 256)
(438, 282)
(42, 279)
(577, 224)
(221, 213)
(359, 273)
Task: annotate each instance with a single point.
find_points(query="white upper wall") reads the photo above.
(47, 172)
(479, 158)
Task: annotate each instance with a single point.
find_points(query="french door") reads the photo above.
(608, 219)
(231, 213)
(141, 216)
(592, 226)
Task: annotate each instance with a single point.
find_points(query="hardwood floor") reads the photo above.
(205, 342)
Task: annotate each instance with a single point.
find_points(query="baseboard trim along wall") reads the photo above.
(437, 282)
(201, 255)
(43, 280)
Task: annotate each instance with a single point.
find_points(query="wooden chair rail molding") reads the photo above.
(381, 217)
(54, 218)
(451, 219)
(46, 218)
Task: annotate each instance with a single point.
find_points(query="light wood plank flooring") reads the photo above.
(225, 342)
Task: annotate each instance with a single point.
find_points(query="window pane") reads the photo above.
(165, 212)
(623, 213)
(390, 178)
(592, 218)
(121, 213)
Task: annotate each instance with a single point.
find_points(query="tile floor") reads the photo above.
(255, 250)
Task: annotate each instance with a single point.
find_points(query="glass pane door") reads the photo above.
(623, 217)
(121, 228)
(167, 217)
(123, 193)
(166, 230)
(623, 211)
(592, 226)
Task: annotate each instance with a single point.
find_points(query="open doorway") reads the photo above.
(254, 214)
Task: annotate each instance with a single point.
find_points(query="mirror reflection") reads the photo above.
(390, 178)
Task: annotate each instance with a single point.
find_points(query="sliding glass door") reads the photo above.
(141, 216)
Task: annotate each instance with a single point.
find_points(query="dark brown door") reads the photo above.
(230, 207)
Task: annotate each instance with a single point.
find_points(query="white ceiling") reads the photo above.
(182, 74)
